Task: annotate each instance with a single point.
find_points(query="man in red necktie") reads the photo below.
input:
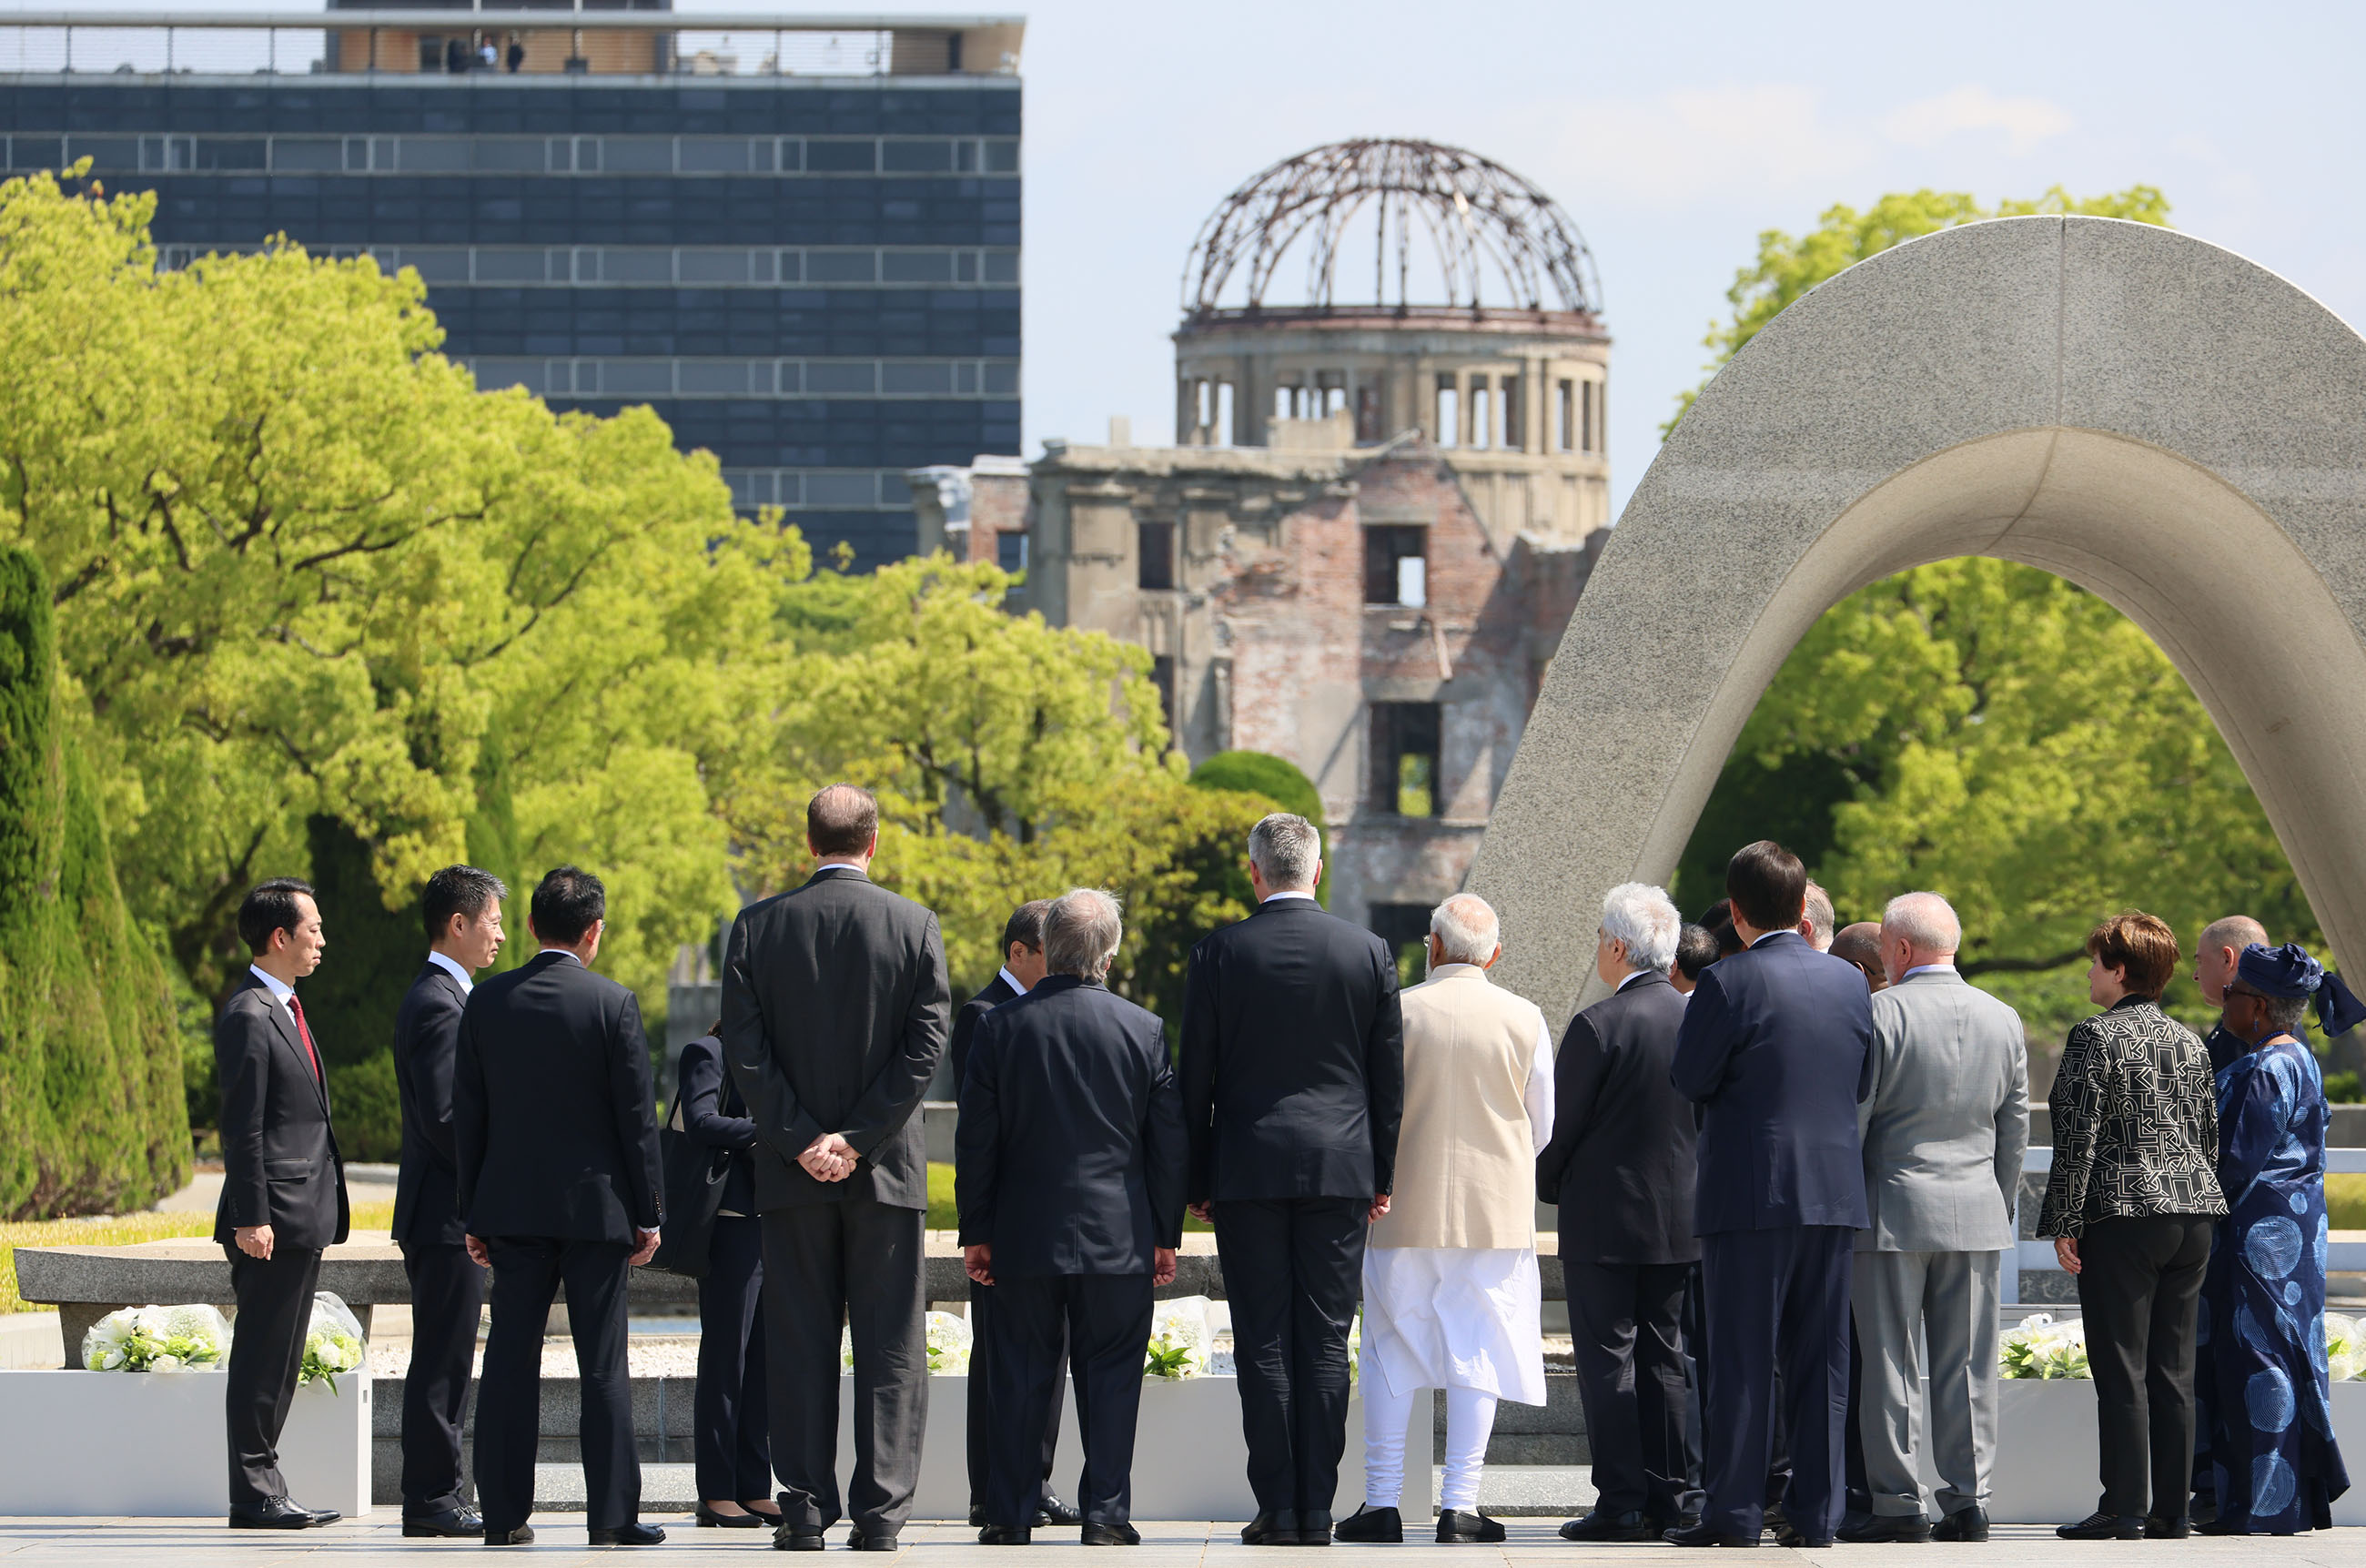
(282, 1200)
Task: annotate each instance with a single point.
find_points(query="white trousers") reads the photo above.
(1470, 1417)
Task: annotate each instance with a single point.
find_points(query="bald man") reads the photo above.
(1861, 945)
(2215, 954)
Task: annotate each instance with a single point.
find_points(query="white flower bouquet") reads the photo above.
(949, 1345)
(333, 1343)
(158, 1339)
(1355, 1350)
(2040, 1347)
(1180, 1340)
(2345, 1347)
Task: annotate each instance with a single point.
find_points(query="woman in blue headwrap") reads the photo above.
(2268, 1412)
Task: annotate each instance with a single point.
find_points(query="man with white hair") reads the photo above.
(1452, 1296)
(1621, 1166)
(1069, 1179)
(1818, 922)
(1943, 1131)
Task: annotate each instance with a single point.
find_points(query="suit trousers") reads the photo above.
(527, 1273)
(1098, 1324)
(728, 1413)
(1775, 1301)
(2139, 1286)
(1293, 1271)
(1634, 1378)
(856, 1262)
(266, 1355)
(447, 1298)
(1948, 1299)
(982, 1427)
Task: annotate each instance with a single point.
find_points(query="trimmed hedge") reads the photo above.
(92, 1114)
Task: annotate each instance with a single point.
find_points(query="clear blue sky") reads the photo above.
(1674, 134)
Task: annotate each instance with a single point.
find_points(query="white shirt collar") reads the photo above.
(280, 990)
(1945, 966)
(1292, 893)
(1012, 980)
(1630, 979)
(451, 966)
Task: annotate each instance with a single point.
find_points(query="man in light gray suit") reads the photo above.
(1943, 1131)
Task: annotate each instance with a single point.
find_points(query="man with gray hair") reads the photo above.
(1293, 1083)
(1818, 923)
(1943, 1131)
(1068, 1175)
(1621, 1166)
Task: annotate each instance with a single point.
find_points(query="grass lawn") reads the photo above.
(2345, 1202)
(118, 1230)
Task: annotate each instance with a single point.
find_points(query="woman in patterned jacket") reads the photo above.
(2131, 1203)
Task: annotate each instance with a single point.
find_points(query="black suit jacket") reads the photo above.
(1777, 1047)
(833, 1013)
(1622, 1158)
(1070, 1149)
(280, 1164)
(716, 1118)
(996, 992)
(426, 1041)
(1294, 1058)
(552, 1110)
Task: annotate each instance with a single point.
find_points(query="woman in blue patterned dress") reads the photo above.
(2268, 1412)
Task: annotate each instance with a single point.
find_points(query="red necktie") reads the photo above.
(304, 1034)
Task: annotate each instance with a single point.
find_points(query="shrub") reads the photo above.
(1278, 779)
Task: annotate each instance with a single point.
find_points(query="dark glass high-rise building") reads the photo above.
(802, 248)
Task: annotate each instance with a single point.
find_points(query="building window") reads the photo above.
(1565, 417)
(1445, 429)
(1396, 565)
(1010, 551)
(1404, 759)
(1405, 928)
(1483, 418)
(1162, 675)
(1367, 415)
(1156, 566)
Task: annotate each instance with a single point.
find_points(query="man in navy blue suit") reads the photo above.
(1775, 1049)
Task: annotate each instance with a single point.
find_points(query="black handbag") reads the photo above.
(694, 1176)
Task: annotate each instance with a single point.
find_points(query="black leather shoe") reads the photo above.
(1314, 1527)
(634, 1534)
(977, 1515)
(787, 1536)
(1963, 1524)
(451, 1523)
(2158, 1528)
(274, 1514)
(522, 1535)
(1272, 1526)
(1601, 1526)
(1883, 1528)
(1705, 1535)
(2101, 1526)
(1001, 1534)
(1369, 1526)
(1053, 1511)
(1789, 1537)
(1459, 1527)
(1096, 1533)
(856, 1540)
(709, 1519)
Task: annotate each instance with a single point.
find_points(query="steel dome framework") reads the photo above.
(1488, 228)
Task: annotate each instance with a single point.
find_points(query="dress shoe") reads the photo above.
(2158, 1528)
(709, 1519)
(1601, 1525)
(1053, 1511)
(1885, 1528)
(1790, 1536)
(1272, 1526)
(2101, 1526)
(857, 1540)
(1314, 1527)
(1459, 1527)
(457, 1520)
(1098, 1532)
(1963, 1524)
(787, 1536)
(1369, 1526)
(633, 1534)
(274, 1514)
(977, 1515)
(1001, 1534)
(1699, 1534)
(522, 1535)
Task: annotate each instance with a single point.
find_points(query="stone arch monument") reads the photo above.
(2155, 419)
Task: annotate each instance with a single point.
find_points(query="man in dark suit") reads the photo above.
(556, 1126)
(833, 1013)
(283, 1198)
(1293, 1085)
(1023, 966)
(1775, 1047)
(1070, 1184)
(462, 908)
(1621, 1167)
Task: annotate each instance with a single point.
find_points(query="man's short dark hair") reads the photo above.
(270, 906)
(567, 903)
(1026, 926)
(841, 820)
(457, 890)
(1697, 949)
(1768, 886)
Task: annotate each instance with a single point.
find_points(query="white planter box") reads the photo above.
(155, 1445)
